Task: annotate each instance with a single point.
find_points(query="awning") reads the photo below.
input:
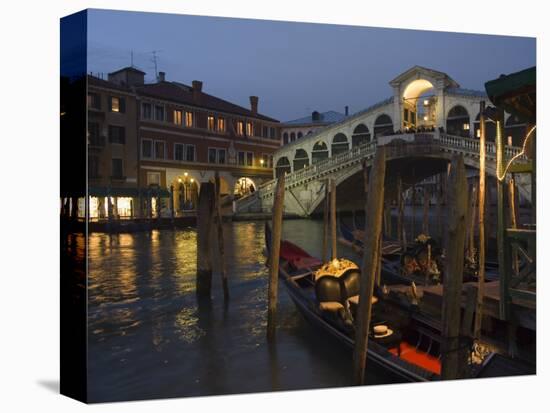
(102, 191)
(516, 93)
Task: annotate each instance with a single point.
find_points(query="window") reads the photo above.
(178, 151)
(285, 138)
(117, 104)
(221, 125)
(190, 153)
(249, 129)
(147, 148)
(245, 158)
(221, 156)
(116, 170)
(178, 117)
(94, 101)
(272, 133)
(466, 126)
(212, 153)
(159, 113)
(117, 134)
(189, 119)
(266, 161)
(93, 166)
(216, 155)
(210, 123)
(265, 131)
(146, 111)
(153, 178)
(240, 128)
(159, 150)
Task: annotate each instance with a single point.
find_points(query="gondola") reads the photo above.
(413, 265)
(399, 345)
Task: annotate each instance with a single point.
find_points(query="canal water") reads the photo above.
(150, 338)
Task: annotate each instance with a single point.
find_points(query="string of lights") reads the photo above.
(501, 177)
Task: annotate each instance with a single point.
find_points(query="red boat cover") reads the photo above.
(296, 256)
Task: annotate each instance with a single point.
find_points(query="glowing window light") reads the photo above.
(478, 133)
(510, 140)
(94, 207)
(466, 126)
(124, 206)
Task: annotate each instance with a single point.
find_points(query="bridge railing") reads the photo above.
(322, 166)
(425, 138)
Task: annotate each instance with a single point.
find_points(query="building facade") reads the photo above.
(112, 150)
(151, 146)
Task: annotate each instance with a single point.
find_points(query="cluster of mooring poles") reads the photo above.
(209, 210)
(458, 239)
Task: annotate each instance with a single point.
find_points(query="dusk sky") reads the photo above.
(294, 68)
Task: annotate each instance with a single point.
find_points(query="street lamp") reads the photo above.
(262, 162)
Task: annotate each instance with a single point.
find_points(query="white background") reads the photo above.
(29, 162)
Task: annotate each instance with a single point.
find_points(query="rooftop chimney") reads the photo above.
(197, 90)
(254, 104)
(347, 110)
(162, 76)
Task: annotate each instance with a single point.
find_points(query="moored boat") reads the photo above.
(326, 294)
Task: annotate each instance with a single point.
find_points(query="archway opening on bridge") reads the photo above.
(458, 121)
(515, 131)
(243, 186)
(340, 144)
(292, 137)
(361, 135)
(301, 159)
(186, 193)
(383, 125)
(490, 127)
(319, 152)
(419, 105)
(282, 167)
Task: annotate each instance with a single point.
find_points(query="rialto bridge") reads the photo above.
(428, 119)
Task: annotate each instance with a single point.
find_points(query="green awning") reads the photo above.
(102, 191)
(515, 93)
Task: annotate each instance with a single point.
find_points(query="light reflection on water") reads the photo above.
(149, 336)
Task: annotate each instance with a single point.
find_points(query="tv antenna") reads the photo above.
(154, 59)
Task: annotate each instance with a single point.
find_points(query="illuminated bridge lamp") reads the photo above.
(185, 174)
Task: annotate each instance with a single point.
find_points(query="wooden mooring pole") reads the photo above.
(453, 353)
(482, 208)
(333, 218)
(371, 258)
(425, 217)
(326, 222)
(472, 222)
(221, 248)
(204, 232)
(400, 226)
(513, 220)
(276, 230)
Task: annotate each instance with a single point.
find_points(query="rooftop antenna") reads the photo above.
(155, 62)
